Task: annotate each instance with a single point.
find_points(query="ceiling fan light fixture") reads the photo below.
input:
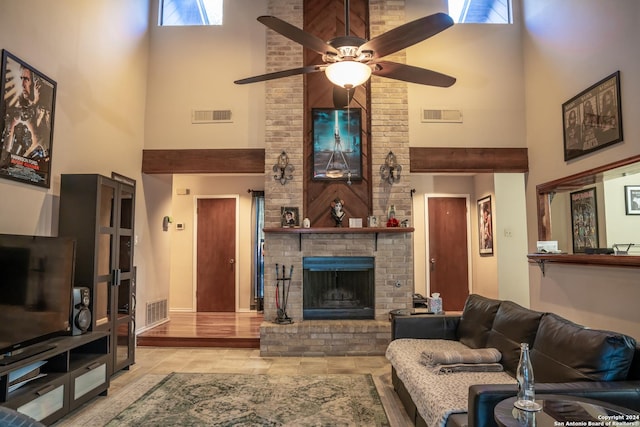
(348, 74)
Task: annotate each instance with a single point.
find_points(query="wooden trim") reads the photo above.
(603, 260)
(478, 160)
(248, 160)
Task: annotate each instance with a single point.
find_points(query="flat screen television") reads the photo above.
(36, 291)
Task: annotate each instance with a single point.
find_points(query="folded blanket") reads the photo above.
(467, 367)
(469, 356)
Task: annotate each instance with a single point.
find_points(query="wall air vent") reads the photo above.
(441, 115)
(210, 116)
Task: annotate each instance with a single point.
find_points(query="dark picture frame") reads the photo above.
(584, 219)
(592, 119)
(485, 226)
(289, 217)
(632, 199)
(26, 122)
(337, 144)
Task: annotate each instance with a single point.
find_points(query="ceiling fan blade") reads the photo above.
(297, 35)
(411, 74)
(279, 74)
(407, 35)
(341, 96)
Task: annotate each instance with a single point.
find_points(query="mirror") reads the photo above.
(593, 209)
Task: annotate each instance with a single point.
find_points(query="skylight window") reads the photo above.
(190, 12)
(480, 11)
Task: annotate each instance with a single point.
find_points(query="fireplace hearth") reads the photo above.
(338, 288)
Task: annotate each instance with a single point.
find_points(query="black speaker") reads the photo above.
(81, 313)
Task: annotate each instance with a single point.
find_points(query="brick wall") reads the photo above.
(284, 131)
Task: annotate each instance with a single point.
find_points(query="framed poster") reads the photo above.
(485, 226)
(593, 119)
(26, 122)
(337, 144)
(632, 199)
(289, 217)
(584, 220)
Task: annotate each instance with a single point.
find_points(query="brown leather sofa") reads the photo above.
(567, 358)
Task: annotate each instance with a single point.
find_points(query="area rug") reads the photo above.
(187, 399)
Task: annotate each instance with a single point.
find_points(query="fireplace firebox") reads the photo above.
(338, 288)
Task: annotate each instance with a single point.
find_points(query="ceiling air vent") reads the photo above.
(441, 116)
(210, 116)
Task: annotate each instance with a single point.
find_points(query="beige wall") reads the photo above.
(568, 46)
(183, 242)
(97, 53)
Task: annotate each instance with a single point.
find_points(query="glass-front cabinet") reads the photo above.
(99, 212)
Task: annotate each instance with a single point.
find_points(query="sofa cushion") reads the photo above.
(513, 325)
(476, 321)
(564, 351)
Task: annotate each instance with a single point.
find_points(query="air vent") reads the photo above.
(156, 311)
(441, 116)
(210, 116)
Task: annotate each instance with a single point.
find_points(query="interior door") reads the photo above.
(447, 252)
(216, 246)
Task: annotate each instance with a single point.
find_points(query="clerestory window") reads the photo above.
(480, 11)
(190, 12)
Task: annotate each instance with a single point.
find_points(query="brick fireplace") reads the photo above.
(390, 253)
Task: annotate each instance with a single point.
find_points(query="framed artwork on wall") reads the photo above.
(289, 217)
(632, 199)
(26, 122)
(592, 119)
(337, 144)
(485, 226)
(584, 220)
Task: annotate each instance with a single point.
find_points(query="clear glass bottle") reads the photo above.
(526, 399)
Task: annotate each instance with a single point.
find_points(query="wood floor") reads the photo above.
(230, 330)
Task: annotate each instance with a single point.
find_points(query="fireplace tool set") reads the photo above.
(281, 300)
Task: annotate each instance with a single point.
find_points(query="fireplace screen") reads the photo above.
(338, 288)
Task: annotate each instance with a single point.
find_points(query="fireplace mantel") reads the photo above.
(338, 230)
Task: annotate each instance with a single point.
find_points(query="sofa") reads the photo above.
(567, 359)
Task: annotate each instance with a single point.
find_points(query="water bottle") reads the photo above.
(526, 399)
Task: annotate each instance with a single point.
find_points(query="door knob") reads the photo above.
(231, 261)
(433, 264)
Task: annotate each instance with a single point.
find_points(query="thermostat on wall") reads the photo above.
(179, 225)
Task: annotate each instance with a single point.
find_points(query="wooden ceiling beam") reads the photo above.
(248, 160)
(474, 160)
(251, 160)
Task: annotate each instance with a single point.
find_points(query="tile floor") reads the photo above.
(164, 360)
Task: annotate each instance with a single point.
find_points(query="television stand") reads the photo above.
(74, 372)
(29, 351)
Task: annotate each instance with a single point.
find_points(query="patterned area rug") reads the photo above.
(183, 399)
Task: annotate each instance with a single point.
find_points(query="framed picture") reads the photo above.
(485, 226)
(289, 217)
(584, 220)
(337, 144)
(593, 119)
(632, 199)
(26, 122)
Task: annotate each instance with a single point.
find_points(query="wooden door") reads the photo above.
(216, 246)
(448, 253)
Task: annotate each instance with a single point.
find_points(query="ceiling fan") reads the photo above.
(349, 61)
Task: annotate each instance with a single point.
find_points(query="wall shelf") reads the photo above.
(339, 230)
(583, 259)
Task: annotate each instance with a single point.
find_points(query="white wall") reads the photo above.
(568, 46)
